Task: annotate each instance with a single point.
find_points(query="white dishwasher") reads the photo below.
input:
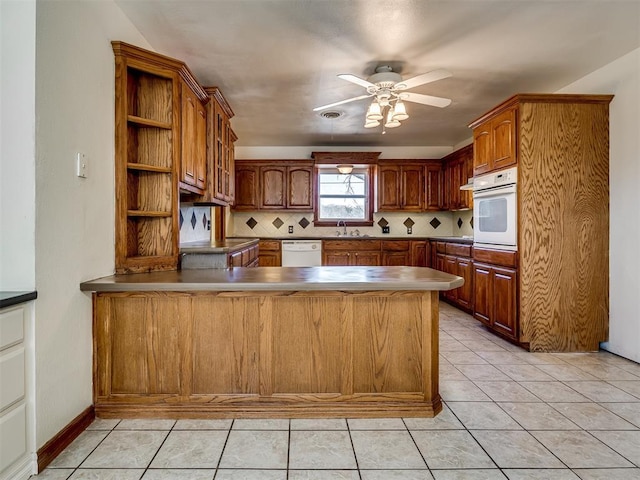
(301, 253)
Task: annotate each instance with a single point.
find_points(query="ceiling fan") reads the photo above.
(390, 90)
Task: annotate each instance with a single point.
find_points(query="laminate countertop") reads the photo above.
(280, 279)
(229, 245)
(465, 240)
(8, 299)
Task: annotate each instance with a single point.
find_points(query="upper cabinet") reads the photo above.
(267, 185)
(401, 187)
(457, 169)
(147, 161)
(494, 141)
(193, 169)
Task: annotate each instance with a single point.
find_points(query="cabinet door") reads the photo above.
(482, 149)
(412, 188)
(465, 292)
(201, 147)
(466, 172)
(366, 259)
(273, 184)
(389, 187)
(247, 187)
(503, 128)
(398, 259)
(447, 203)
(482, 293)
(419, 254)
(450, 266)
(189, 128)
(336, 258)
(270, 259)
(219, 155)
(439, 263)
(300, 188)
(433, 187)
(504, 298)
(456, 176)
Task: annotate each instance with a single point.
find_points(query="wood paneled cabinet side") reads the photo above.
(193, 166)
(494, 142)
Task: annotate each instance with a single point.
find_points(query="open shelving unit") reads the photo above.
(147, 159)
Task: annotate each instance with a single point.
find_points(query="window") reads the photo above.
(343, 197)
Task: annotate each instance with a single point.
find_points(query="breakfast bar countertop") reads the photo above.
(223, 246)
(278, 279)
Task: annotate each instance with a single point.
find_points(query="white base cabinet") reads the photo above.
(17, 450)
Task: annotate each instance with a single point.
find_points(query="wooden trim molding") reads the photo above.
(345, 157)
(50, 450)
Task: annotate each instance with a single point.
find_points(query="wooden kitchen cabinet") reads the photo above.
(433, 187)
(270, 253)
(147, 161)
(561, 296)
(281, 185)
(351, 252)
(396, 253)
(455, 258)
(245, 257)
(401, 187)
(247, 186)
(419, 253)
(457, 169)
(494, 142)
(193, 165)
(495, 298)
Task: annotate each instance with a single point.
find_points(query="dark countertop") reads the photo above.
(226, 246)
(279, 279)
(465, 240)
(8, 299)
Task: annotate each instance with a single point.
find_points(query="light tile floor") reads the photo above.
(508, 414)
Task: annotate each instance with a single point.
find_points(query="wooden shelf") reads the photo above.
(147, 213)
(147, 168)
(147, 122)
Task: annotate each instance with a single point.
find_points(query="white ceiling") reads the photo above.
(275, 60)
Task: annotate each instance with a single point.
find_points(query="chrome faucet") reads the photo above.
(344, 226)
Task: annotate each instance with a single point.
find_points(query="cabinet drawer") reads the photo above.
(353, 245)
(270, 245)
(496, 257)
(458, 250)
(441, 247)
(13, 436)
(11, 327)
(11, 377)
(395, 245)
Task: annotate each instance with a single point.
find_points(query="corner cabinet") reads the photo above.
(147, 125)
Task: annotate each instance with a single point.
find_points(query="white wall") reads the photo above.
(17, 148)
(622, 78)
(75, 217)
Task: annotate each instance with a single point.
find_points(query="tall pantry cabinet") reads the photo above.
(560, 144)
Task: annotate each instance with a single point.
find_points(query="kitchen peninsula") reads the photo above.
(268, 342)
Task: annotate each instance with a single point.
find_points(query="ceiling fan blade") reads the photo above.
(422, 79)
(425, 99)
(341, 102)
(357, 80)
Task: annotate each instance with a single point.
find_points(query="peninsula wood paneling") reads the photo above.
(273, 354)
(564, 224)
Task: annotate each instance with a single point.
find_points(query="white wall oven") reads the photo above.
(495, 210)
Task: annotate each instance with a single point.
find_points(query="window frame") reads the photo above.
(369, 198)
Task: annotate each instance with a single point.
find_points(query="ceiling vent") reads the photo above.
(331, 114)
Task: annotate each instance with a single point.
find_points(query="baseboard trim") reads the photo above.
(50, 450)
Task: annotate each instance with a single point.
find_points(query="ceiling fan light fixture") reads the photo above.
(345, 169)
(371, 123)
(391, 122)
(374, 112)
(400, 111)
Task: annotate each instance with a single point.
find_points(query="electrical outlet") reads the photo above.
(385, 229)
(409, 230)
(82, 165)
(290, 228)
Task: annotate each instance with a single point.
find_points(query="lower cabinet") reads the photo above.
(247, 257)
(374, 253)
(455, 258)
(395, 253)
(16, 397)
(269, 253)
(495, 291)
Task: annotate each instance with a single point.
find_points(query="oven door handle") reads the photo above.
(491, 192)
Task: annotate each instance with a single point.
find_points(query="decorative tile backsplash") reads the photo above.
(276, 224)
(194, 224)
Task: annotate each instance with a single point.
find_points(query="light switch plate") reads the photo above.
(82, 165)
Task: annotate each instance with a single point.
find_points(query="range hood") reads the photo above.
(468, 185)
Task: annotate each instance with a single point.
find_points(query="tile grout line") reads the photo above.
(226, 440)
